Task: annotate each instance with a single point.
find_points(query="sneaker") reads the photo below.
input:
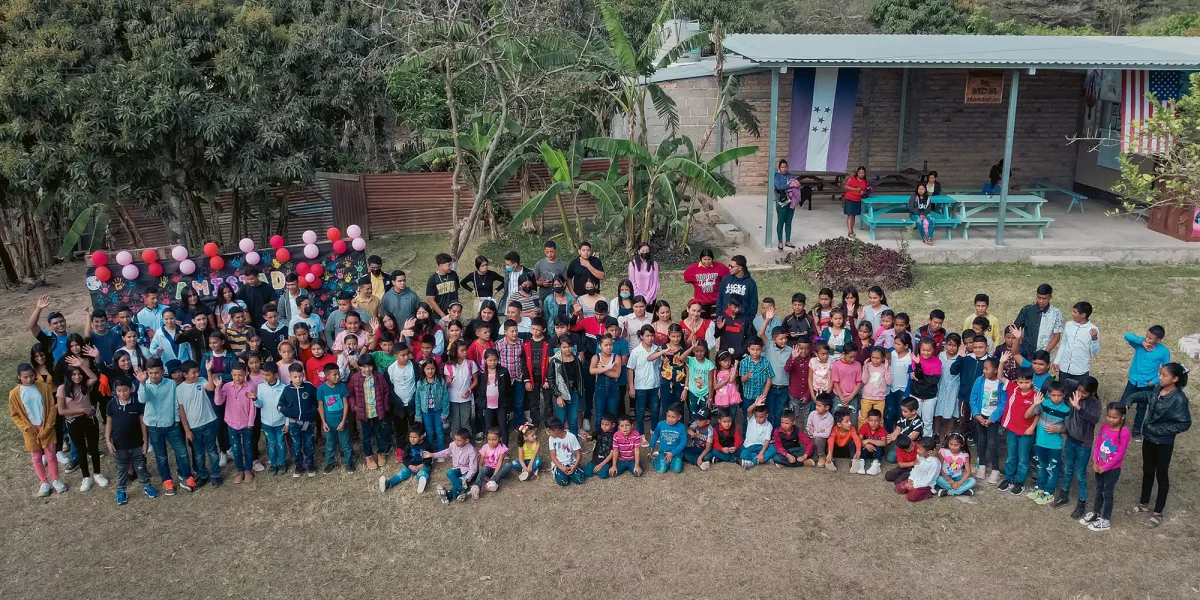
(328, 468)
(645, 442)
(829, 465)
(587, 425)
(875, 468)
(479, 437)
(523, 476)
(474, 491)
(441, 492)
(1017, 488)
(968, 493)
(491, 486)
(441, 460)
(980, 472)
(370, 460)
(222, 460)
(941, 493)
(310, 472)
(778, 465)
(1088, 518)
(217, 482)
(461, 497)
(1100, 525)
(1080, 507)
(44, 490)
(862, 469)
(71, 467)
(1060, 499)
(1136, 438)
(59, 487)
(421, 483)
(1044, 498)
(200, 483)
(747, 464)
(383, 484)
(994, 477)
(258, 467)
(273, 470)
(705, 465)
(62, 457)
(100, 480)
(86, 485)
(1033, 493)
(151, 493)
(122, 497)
(188, 485)
(299, 472)
(1003, 485)
(349, 467)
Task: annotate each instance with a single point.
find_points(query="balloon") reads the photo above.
(216, 263)
(246, 245)
(282, 255)
(179, 253)
(103, 274)
(211, 249)
(359, 244)
(317, 270)
(309, 237)
(333, 234)
(187, 267)
(149, 256)
(154, 269)
(124, 258)
(311, 251)
(309, 277)
(354, 231)
(129, 272)
(339, 247)
(302, 268)
(276, 241)
(99, 258)
(252, 258)
(303, 283)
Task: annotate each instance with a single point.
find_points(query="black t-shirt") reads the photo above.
(126, 423)
(578, 274)
(483, 286)
(534, 367)
(443, 288)
(256, 297)
(270, 339)
(604, 445)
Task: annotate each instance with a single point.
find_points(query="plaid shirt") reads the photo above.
(759, 372)
(511, 358)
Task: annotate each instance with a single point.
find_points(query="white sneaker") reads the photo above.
(994, 477)
(829, 465)
(149, 450)
(258, 467)
(875, 468)
(491, 486)
(441, 492)
(222, 460)
(441, 460)
(747, 464)
(523, 476)
(862, 470)
(86, 485)
(383, 483)
(587, 425)
(1100, 525)
(528, 418)
(63, 457)
(704, 465)
(474, 491)
(645, 441)
(421, 482)
(59, 487)
(100, 480)
(43, 490)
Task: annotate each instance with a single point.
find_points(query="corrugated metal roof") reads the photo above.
(734, 64)
(958, 51)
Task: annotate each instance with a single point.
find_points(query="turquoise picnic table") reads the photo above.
(892, 211)
(978, 210)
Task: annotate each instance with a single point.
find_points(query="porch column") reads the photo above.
(1008, 145)
(771, 152)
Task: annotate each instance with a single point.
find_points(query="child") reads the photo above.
(919, 484)
(724, 385)
(926, 376)
(793, 448)
(875, 307)
(876, 378)
(756, 373)
(493, 462)
(668, 441)
(370, 397)
(315, 367)
(74, 404)
(335, 397)
(885, 334)
(299, 404)
(905, 458)
(347, 359)
(627, 446)
(910, 424)
(1051, 414)
(460, 383)
(756, 447)
(989, 395)
(699, 376)
(968, 368)
(673, 375)
(1041, 369)
(1166, 417)
(32, 407)
(604, 459)
(727, 438)
(528, 462)
(237, 397)
(820, 372)
(700, 436)
(566, 384)
(1108, 456)
(493, 395)
(847, 381)
(606, 367)
(799, 394)
(945, 407)
(819, 427)
(839, 443)
(267, 396)
(1149, 355)
(874, 440)
(1020, 427)
(432, 400)
(955, 478)
(1077, 447)
(864, 344)
(934, 330)
(836, 335)
(564, 454)
(416, 461)
(464, 464)
(823, 312)
(125, 434)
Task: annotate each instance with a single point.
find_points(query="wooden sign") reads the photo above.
(984, 87)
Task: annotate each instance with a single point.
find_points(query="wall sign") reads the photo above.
(984, 87)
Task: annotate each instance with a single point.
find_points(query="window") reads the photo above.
(1109, 149)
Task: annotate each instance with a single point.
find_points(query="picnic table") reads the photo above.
(1021, 210)
(892, 211)
(820, 178)
(1042, 187)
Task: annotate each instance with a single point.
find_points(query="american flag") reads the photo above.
(1136, 106)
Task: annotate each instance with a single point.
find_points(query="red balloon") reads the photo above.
(149, 256)
(99, 258)
(103, 274)
(211, 249)
(303, 283)
(282, 255)
(333, 234)
(154, 269)
(317, 270)
(216, 263)
(339, 247)
(276, 241)
(301, 268)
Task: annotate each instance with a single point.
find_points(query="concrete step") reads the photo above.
(730, 234)
(1190, 345)
(1044, 260)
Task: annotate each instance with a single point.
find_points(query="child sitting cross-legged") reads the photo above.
(844, 442)
(919, 485)
(668, 441)
(493, 463)
(955, 478)
(793, 448)
(464, 462)
(700, 437)
(414, 462)
(874, 441)
(756, 447)
(528, 462)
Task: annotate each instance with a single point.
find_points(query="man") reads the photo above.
(547, 269)
(256, 294)
(442, 288)
(380, 282)
(1043, 323)
(513, 274)
(150, 316)
(126, 322)
(272, 331)
(289, 298)
(157, 393)
(367, 303)
(399, 301)
(54, 342)
(106, 340)
(584, 266)
(1080, 342)
(982, 301)
(335, 322)
(738, 282)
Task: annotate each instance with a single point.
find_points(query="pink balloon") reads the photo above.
(187, 267)
(311, 251)
(354, 231)
(359, 244)
(253, 258)
(246, 245)
(124, 258)
(309, 277)
(309, 237)
(179, 253)
(129, 272)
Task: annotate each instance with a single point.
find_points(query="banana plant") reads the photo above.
(565, 169)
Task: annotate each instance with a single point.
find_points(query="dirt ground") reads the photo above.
(755, 534)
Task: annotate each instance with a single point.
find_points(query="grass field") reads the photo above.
(716, 534)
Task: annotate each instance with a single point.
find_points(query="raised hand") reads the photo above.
(141, 375)
(796, 351)
(92, 351)
(43, 302)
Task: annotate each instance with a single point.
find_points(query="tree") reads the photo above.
(565, 169)
(919, 16)
(1174, 178)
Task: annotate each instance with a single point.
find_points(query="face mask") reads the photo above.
(508, 269)
(645, 255)
(527, 288)
(559, 289)
(589, 291)
(625, 294)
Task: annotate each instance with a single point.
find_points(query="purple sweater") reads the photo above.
(464, 458)
(645, 281)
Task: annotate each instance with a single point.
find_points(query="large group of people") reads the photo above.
(727, 378)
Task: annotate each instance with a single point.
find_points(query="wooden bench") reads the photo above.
(1045, 186)
(892, 211)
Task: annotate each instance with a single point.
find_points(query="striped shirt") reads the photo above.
(625, 445)
(238, 339)
(511, 358)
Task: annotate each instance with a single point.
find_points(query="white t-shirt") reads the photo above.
(404, 380)
(564, 448)
(196, 403)
(757, 435)
(645, 372)
(900, 369)
(462, 380)
(35, 409)
(991, 398)
(633, 325)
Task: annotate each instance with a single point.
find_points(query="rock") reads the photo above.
(1190, 345)
(729, 234)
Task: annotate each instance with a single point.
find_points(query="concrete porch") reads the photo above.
(1088, 238)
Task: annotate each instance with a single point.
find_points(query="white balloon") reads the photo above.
(354, 231)
(359, 244)
(246, 245)
(179, 253)
(129, 272)
(124, 258)
(309, 277)
(309, 237)
(187, 267)
(252, 258)
(311, 251)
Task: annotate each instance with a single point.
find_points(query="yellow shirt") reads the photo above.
(371, 307)
(529, 450)
(377, 288)
(996, 334)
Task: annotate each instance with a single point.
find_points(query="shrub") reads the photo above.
(839, 262)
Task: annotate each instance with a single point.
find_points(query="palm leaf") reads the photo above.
(654, 40)
(78, 227)
(697, 173)
(555, 162)
(537, 204)
(605, 193)
(430, 156)
(696, 40)
(619, 42)
(739, 113)
(618, 148)
(730, 154)
(664, 105)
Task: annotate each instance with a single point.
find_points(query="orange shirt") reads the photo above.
(842, 437)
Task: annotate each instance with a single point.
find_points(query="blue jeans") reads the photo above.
(302, 443)
(375, 436)
(1141, 406)
(781, 459)
(1049, 464)
(607, 400)
(891, 409)
(1016, 465)
(518, 390)
(661, 465)
(693, 404)
(926, 229)
(872, 453)
(1074, 463)
(204, 450)
(777, 400)
(276, 447)
(591, 470)
(405, 473)
(242, 448)
(670, 393)
(718, 456)
(458, 485)
(569, 413)
(691, 455)
(577, 477)
(944, 484)
(160, 438)
(645, 400)
(486, 474)
(433, 428)
(335, 439)
(750, 453)
(537, 464)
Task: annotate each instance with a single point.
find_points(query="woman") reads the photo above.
(487, 315)
(424, 323)
(189, 306)
(643, 273)
(559, 301)
(696, 327)
(662, 322)
(168, 343)
(484, 283)
(1167, 416)
(75, 405)
(932, 184)
(704, 277)
(226, 300)
(920, 207)
(40, 361)
(785, 209)
(386, 322)
(591, 295)
(856, 189)
(622, 303)
(633, 322)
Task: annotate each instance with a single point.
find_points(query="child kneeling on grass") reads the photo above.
(919, 485)
(564, 454)
(668, 441)
(414, 462)
(840, 442)
(793, 448)
(464, 463)
(493, 462)
(727, 438)
(528, 462)
(700, 436)
(627, 446)
(757, 448)
(955, 478)
(604, 458)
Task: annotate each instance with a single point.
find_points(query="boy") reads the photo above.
(546, 270)
(402, 376)
(150, 316)
(199, 420)
(756, 447)
(1020, 427)
(482, 343)
(564, 454)
(237, 333)
(1149, 355)
(874, 440)
(299, 404)
(839, 442)
(969, 369)
(536, 352)
(669, 440)
(256, 294)
(910, 424)
(1041, 369)
(766, 321)
(919, 484)
(778, 397)
(981, 310)
(510, 347)
(523, 321)
(454, 313)
(386, 354)
(442, 287)
(988, 397)
(418, 458)
(584, 267)
(933, 330)
(267, 395)
(369, 400)
(734, 328)
(643, 370)
(819, 426)
(161, 415)
(906, 459)
(604, 458)
(799, 395)
(514, 275)
(756, 373)
(799, 325)
(335, 322)
(793, 448)
(334, 397)
(106, 340)
(627, 445)
(700, 440)
(1080, 342)
(125, 321)
(237, 398)
(464, 464)
(847, 381)
(125, 434)
(727, 438)
(1050, 415)
(1081, 430)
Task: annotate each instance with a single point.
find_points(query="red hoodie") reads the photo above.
(704, 281)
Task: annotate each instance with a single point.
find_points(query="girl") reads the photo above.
(1167, 416)
(1012, 347)
(955, 478)
(643, 272)
(137, 354)
(493, 463)
(622, 304)
(484, 283)
(494, 394)
(851, 306)
(988, 398)
(226, 299)
(632, 323)
(724, 384)
(40, 361)
(423, 323)
(461, 381)
(920, 205)
(432, 402)
(454, 333)
(76, 405)
(167, 343)
(31, 405)
(865, 343)
(1107, 454)
(876, 304)
(820, 371)
(877, 376)
(823, 311)
(559, 301)
(836, 336)
(932, 184)
(287, 356)
(385, 323)
(606, 368)
(901, 364)
(696, 328)
(926, 375)
(662, 323)
(77, 348)
(699, 377)
(591, 295)
(673, 377)
(856, 188)
(189, 306)
(528, 462)
(566, 382)
(945, 411)
(885, 334)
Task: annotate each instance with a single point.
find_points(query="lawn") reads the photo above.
(721, 533)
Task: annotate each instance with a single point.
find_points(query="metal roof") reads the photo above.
(734, 64)
(958, 51)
